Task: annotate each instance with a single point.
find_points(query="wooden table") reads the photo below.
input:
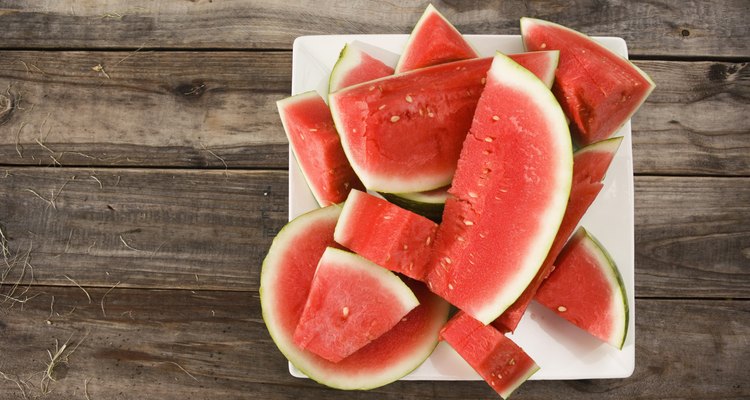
(144, 175)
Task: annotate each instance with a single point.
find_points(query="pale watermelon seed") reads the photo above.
(473, 195)
(354, 130)
(409, 99)
(512, 361)
(450, 287)
(543, 46)
(468, 223)
(381, 107)
(302, 136)
(460, 238)
(313, 130)
(345, 311)
(372, 88)
(421, 112)
(429, 239)
(562, 309)
(395, 118)
(430, 115)
(447, 259)
(406, 247)
(488, 139)
(495, 118)
(387, 217)
(482, 235)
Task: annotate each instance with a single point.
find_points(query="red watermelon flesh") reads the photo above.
(587, 290)
(433, 41)
(540, 63)
(498, 360)
(317, 147)
(286, 278)
(589, 166)
(598, 89)
(508, 197)
(386, 234)
(369, 300)
(356, 66)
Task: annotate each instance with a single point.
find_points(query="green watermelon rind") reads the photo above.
(554, 114)
(340, 67)
(419, 203)
(286, 345)
(527, 23)
(427, 12)
(613, 276)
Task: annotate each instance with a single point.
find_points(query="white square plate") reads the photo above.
(561, 350)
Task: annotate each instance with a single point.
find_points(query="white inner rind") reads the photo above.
(509, 74)
(607, 145)
(341, 233)
(351, 58)
(514, 385)
(618, 302)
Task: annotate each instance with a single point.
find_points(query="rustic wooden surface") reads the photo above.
(138, 198)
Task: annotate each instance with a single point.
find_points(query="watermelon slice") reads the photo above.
(433, 41)
(316, 145)
(285, 282)
(586, 289)
(386, 234)
(369, 300)
(404, 133)
(508, 197)
(589, 166)
(356, 66)
(498, 360)
(598, 89)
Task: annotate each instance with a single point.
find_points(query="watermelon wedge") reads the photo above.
(386, 234)
(508, 197)
(586, 289)
(598, 89)
(369, 300)
(499, 361)
(285, 282)
(383, 122)
(589, 166)
(433, 41)
(316, 145)
(356, 66)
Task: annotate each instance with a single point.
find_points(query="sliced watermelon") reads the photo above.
(285, 282)
(498, 360)
(386, 234)
(369, 300)
(404, 133)
(586, 289)
(508, 197)
(589, 166)
(433, 41)
(317, 147)
(598, 89)
(356, 66)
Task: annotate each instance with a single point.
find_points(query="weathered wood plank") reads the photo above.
(176, 224)
(192, 109)
(143, 108)
(699, 28)
(138, 349)
(692, 236)
(143, 228)
(695, 122)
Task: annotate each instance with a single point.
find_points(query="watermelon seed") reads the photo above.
(372, 88)
(406, 247)
(473, 195)
(450, 287)
(345, 311)
(381, 107)
(409, 99)
(468, 223)
(488, 139)
(421, 112)
(313, 130)
(495, 118)
(482, 235)
(411, 265)
(430, 115)
(387, 217)
(403, 319)
(483, 81)
(460, 238)
(354, 130)
(429, 239)
(302, 136)
(447, 259)
(543, 46)
(395, 118)
(562, 309)
(512, 361)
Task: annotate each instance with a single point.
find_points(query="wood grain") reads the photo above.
(662, 27)
(210, 230)
(138, 349)
(142, 228)
(193, 109)
(186, 109)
